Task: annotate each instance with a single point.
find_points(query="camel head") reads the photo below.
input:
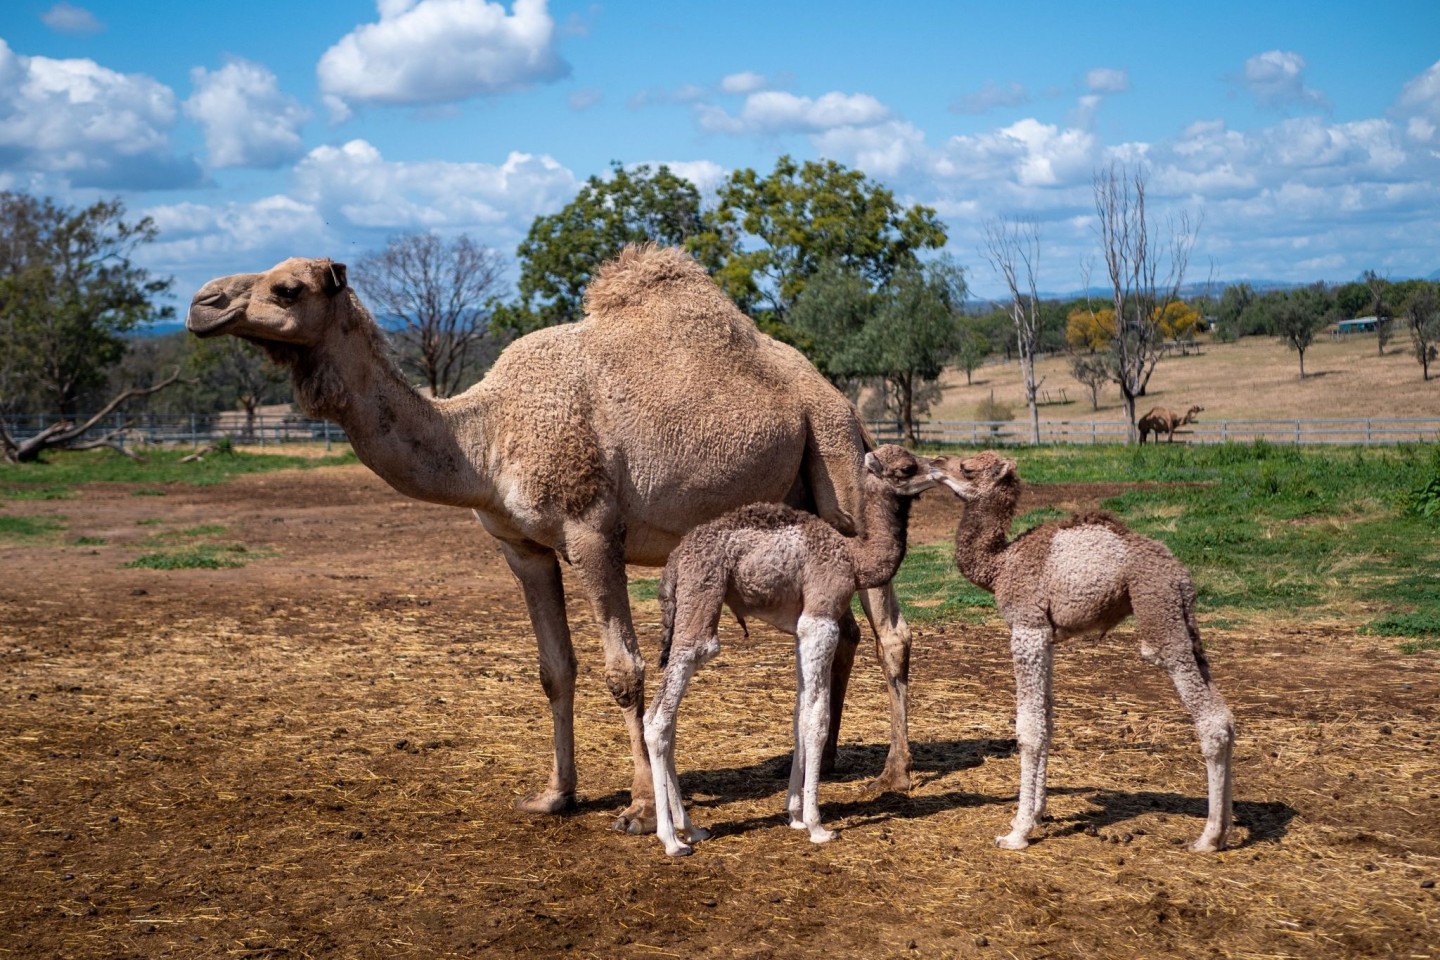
(1190, 414)
(293, 303)
(972, 478)
(905, 473)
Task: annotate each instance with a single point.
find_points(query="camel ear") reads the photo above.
(1007, 468)
(332, 278)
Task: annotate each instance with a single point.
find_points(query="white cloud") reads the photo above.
(882, 150)
(440, 51)
(989, 97)
(68, 18)
(1419, 104)
(247, 121)
(1028, 153)
(744, 82)
(356, 183)
(1276, 79)
(1107, 80)
(774, 111)
(90, 125)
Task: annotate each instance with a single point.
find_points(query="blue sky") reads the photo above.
(1305, 137)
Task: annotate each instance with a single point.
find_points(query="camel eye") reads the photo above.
(289, 290)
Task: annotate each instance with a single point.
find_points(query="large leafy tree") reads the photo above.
(1299, 314)
(68, 295)
(769, 235)
(563, 250)
(1421, 310)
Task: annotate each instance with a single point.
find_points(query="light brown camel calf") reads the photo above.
(1160, 420)
(798, 574)
(1073, 577)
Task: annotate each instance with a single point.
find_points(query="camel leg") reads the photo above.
(599, 563)
(1216, 730)
(816, 639)
(892, 644)
(1034, 658)
(539, 574)
(839, 683)
(660, 742)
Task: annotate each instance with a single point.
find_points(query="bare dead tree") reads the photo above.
(444, 292)
(1145, 275)
(66, 435)
(1013, 249)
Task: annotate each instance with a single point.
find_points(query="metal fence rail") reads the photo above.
(1367, 431)
(198, 429)
(193, 429)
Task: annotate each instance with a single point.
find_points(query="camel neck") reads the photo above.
(409, 440)
(878, 553)
(982, 536)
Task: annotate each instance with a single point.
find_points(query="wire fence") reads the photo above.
(1367, 431)
(198, 429)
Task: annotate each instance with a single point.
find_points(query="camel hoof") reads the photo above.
(1206, 845)
(547, 801)
(890, 781)
(635, 822)
(1011, 842)
(679, 850)
(697, 834)
(821, 835)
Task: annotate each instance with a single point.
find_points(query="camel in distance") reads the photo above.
(598, 443)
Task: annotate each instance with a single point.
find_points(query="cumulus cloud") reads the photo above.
(87, 124)
(707, 175)
(356, 183)
(1107, 80)
(1028, 152)
(1275, 79)
(883, 150)
(744, 82)
(989, 97)
(774, 111)
(247, 121)
(1419, 105)
(68, 18)
(440, 51)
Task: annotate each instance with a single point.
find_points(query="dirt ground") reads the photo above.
(318, 755)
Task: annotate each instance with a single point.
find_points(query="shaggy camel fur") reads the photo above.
(1159, 420)
(597, 443)
(1073, 577)
(797, 573)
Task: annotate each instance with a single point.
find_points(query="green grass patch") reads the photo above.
(198, 557)
(63, 471)
(15, 529)
(644, 588)
(930, 588)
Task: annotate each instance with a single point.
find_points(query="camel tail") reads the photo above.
(665, 593)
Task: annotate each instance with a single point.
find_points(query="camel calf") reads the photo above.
(798, 574)
(1160, 420)
(1069, 578)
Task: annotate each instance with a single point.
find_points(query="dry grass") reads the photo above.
(1254, 378)
(317, 756)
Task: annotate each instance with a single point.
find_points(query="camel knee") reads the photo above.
(626, 682)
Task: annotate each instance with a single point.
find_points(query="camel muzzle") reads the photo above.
(211, 312)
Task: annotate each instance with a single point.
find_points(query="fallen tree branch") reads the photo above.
(63, 434)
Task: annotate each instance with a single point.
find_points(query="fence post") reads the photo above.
(1297, 433)
(327, 436)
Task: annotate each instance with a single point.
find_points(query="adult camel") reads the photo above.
(599, 443)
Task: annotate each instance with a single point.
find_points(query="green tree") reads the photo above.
(1299, 315)
(68, 295)
(829, 313)
(769, 235)
(562, 251)
(910, 337)
(1234, 301)
(972, 346)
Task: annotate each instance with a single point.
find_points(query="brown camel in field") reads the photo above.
(599, 443)
(1160, 420)
(798, 574)
(1073, 577)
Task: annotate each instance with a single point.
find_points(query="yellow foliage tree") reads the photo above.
(1090, 329)
(1178, 320)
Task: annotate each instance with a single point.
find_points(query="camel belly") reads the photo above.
(1084, 579)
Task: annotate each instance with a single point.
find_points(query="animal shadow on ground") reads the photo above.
(1264, 821)
(711, 788)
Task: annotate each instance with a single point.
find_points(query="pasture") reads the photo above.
(312, 746)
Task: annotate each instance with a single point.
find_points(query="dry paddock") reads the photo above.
(318, 754)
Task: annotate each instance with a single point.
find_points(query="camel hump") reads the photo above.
(654, 291)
